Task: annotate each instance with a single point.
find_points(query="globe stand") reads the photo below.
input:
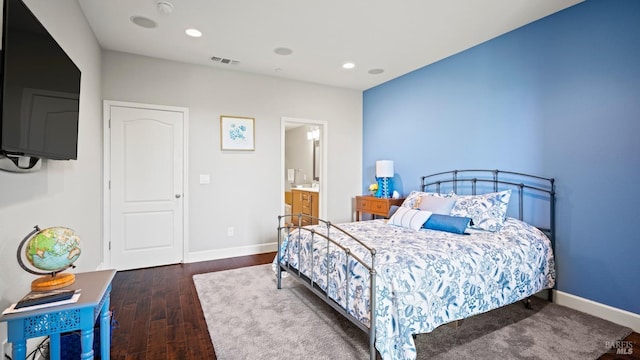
(49, 282)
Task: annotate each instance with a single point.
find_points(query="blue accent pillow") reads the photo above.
(452, 224)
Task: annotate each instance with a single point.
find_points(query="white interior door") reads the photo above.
(146, 194)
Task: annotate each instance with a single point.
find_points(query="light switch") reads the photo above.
(205, 179)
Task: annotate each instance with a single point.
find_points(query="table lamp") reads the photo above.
(384, 171)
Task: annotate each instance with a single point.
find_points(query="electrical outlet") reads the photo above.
(230, 231)
(6, 349)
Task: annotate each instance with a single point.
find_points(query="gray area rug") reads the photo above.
(248, 318)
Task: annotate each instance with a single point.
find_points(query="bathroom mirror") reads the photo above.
(316, 160)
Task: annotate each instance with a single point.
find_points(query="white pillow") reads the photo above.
(409, 218)
(437, 205)
(411, 200)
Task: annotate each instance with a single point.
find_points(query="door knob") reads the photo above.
(178, 196)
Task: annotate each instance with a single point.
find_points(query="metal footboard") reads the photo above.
(308, 281)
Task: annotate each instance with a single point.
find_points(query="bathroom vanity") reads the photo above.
(305, 201)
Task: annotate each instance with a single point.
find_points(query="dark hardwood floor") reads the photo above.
(160, 317)
(159, 313)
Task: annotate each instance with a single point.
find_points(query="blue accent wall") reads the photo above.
(560, 98)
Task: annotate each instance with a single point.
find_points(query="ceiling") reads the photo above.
(395, 36)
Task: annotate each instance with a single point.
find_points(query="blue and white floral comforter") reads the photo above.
(425, 278)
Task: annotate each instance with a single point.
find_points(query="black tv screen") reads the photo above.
(40, 90)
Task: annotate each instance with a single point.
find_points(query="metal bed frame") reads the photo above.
(457, 180)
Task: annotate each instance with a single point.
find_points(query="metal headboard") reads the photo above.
(461, 181)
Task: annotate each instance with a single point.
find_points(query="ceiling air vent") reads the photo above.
(224, 60)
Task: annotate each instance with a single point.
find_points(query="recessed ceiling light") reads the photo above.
(283, 51)
(143, 22)
(193, 32)
(348, 65)
(376, 71)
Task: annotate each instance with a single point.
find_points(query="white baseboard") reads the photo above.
(618, 316)
(230, 252)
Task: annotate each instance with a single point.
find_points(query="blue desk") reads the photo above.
(52, 321)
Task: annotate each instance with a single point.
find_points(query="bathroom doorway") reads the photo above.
(304, 163)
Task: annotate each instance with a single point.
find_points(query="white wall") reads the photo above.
(67, 193)
(245, 188)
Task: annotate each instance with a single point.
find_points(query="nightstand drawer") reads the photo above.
(363, 204)
(375, 206)
(379, 207)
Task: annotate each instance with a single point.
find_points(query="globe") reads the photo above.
(51, 250)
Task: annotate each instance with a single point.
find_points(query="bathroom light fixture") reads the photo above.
(193, 32)
(313, 134)
(384, 171)
(376, 71)
(348, 65)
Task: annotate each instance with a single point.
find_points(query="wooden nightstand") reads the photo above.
(375, 205)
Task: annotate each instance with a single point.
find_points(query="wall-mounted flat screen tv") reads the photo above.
(40, 90)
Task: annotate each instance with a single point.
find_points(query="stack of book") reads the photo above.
(42, 299)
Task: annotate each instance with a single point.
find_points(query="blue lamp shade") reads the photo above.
(384, 171)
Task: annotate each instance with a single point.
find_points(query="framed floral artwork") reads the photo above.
(237, 133)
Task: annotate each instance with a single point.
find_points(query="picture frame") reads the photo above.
(237, 133)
